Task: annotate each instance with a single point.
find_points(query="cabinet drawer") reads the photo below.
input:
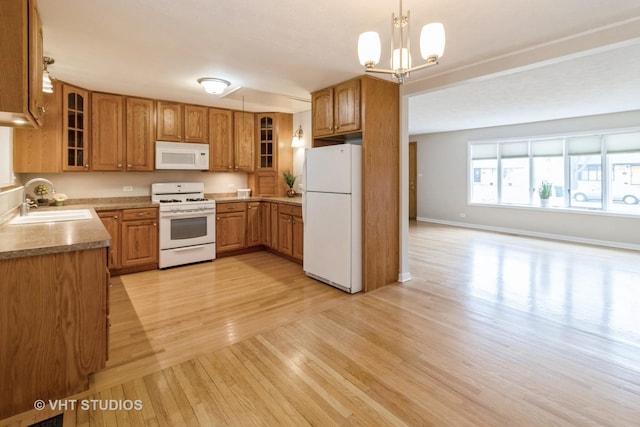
(290, 210)
(231, 207)
(137, 214)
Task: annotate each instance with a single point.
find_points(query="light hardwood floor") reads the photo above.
(493, 330)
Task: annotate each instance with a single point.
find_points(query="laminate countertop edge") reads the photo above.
(26, 240)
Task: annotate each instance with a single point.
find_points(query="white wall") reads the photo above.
(6, 156)
(301, 119)
(110, 184)
(442, 186)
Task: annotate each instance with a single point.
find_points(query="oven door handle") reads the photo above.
(193, 213)
(189, 248)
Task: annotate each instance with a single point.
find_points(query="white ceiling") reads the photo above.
(505, 61)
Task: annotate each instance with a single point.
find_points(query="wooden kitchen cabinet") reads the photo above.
(122, 133)
(243, 140)
(231, 141)
(54, 332)
(220, 140)
(274, 225)
(253, 224)
(21, 48)
(274, 154)
(134, 239)
(75, 128)
(336, 110)
(107, 132)
(111, 221)
(182, 123)
(231, 226)
(265, 224)
(139, 237)
(169, 121)
(196, 124)
(40, 150)
(290, 231)
(139, 135)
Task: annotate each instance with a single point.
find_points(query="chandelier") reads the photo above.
(432, 41)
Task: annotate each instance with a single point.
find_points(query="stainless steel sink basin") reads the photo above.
(53, 216)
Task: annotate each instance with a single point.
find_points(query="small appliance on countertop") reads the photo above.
(187, 223)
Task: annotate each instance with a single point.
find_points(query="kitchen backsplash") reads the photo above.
(79, 185)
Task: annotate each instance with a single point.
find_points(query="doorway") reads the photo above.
(413, 183)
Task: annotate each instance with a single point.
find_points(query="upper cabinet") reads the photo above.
(274, 153)
(169, 122)
(40, 150)
(336, 110)
(220, 140)
(107, 132)
(122, 133)
(139, 134)
(21, 98)
(196, 126)
(75, 128)
(243, 129)
(182, 123)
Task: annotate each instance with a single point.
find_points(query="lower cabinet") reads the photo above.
(231, 226)
(253, 224)
(54, 331)
(134, 239)
(272, 225)
(290, 231)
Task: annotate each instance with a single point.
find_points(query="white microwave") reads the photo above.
(182, 156)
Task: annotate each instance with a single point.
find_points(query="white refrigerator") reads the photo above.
(332, 211)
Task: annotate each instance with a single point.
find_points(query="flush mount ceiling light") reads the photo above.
(213, 85)
(297, 140)
(47, 86)
(432, 41)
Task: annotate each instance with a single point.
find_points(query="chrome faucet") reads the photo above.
(26, 203)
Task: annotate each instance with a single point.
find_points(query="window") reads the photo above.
(587, 172)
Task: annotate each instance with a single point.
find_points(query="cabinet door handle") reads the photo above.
(87, 166)
(129, 165)
(229, 167)
(42, 109)
(155, 224)
(119, 165)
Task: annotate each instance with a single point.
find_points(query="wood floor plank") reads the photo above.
(493, 330)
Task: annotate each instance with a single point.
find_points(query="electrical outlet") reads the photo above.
(127, 188)
(462, 215)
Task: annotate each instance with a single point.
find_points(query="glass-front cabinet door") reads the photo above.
(266, 142)
(75, 116)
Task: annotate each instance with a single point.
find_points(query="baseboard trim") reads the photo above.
(404, 277)
(561, 237)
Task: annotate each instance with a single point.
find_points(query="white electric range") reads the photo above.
(187, 223)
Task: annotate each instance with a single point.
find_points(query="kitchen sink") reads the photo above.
(53, 216)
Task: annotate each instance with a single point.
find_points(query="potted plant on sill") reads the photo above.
(290, 179)
(545, 193)
(40, 190)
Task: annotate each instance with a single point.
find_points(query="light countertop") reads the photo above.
(23, 240)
